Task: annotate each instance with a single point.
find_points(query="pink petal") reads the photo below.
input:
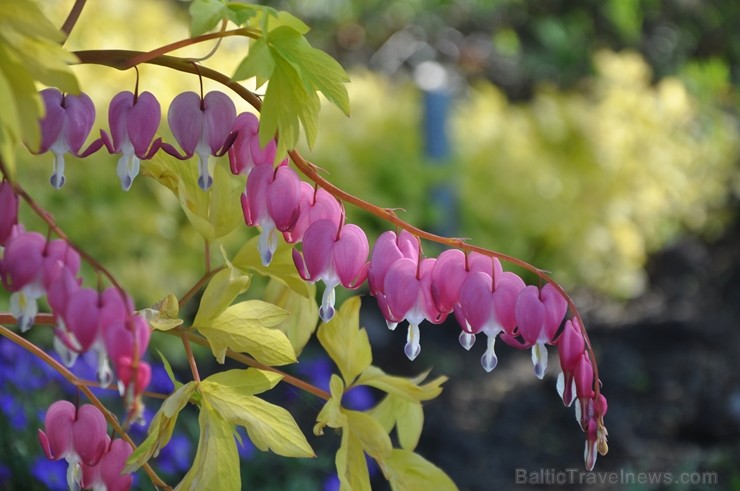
(53, 120)
(350, 256)
(8, 211)
(476, 300)
(22, 260)
(570, 346)
(82, 317)
(504, 300)
(143, 122)
(555, 308)
(385, 253)
(79, 117)
(220, 114)
(118, 117)
(258, 184)
(318, 242)
(62, 285)
(283, 198)
(113, 463)
(401, 288)
(57, 440)
(448, 277)
(584, 376)
(89, 434)
(530, 314)
(186, 120)
(240, 154)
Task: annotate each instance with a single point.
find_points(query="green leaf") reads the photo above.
(163, 315)
(216, 463)
(161, 427)
(272, 19)
(304, 312)
(270, 427)
(345, 342)
(281, 267)
(205, 15)
(374, 439)
(168, 369)
(408, 471)
(331, 414)
(240, 13)
(258, 63)
(402, 387)
(246, 327)
(223, 288)
(407, 416)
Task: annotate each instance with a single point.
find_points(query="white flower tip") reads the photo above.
(539, 360)
(412, 348)
(489, 361)
(57, 181)
(391, 325)
(326, 313)
(205, 182)
(467, 340)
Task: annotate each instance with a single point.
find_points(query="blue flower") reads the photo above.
(51, 473)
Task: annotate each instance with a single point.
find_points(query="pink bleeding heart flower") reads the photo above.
(571, 346)
(201, 127)
(408, 295)
(336, 255)
(487, 305)
(133, 122)
(107, 474)
(450, 272)
(388, 249)
(246, 152)
(76, 435)
(8, 211)
(65, 126)
(539, 314)
(596, 434)
(23, 259)
(315, 204)
(126, 341)
(272, 201)
(584, 382)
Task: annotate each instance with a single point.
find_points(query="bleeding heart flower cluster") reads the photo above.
(80, 436)
(407, 286)
(86, 319)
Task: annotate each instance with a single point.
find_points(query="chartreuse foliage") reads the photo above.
(368, 432)
(281, 54)
(30, 50)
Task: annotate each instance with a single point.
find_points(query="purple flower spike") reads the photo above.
(202, 127)
(335, 256)
(246, 153)
(133, 123)
(8, 211)
(66, 124)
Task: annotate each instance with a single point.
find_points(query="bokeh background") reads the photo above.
(595, 139)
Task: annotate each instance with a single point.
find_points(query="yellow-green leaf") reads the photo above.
(161, 427)
(218, 295)
(216, 463)
(351, 464)
(163, 315)
(408, 471)
(407, 416)
(304, 312)
(345, 342)
(248, 382)
(281, 268)
(403, 387)
(374, 439)
(248, 327)
(270, 427)
(331, 414)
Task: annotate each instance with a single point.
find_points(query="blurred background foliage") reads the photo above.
(584, 134)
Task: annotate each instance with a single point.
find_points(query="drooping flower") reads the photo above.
(65, 126)
(570, 349)
(487, 305)
(315, 204)
(336, 254)
(201, 127)
(133, 123)
(246, 152)
(539, 313)
(272, 201)
(408, 295)
(78, 435)
(106, 474)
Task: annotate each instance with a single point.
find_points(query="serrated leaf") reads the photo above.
(374, 439)
(304, 312)
(281, 267)
(247, 328)
(223, 288)
(272, 19)
(270, 427)
(351, 464)
(258, 63)
(216, 463)
(345, 342)
(250, 381)
(161, 427)
(331, 414)
(408, 471)
(402, 387)
(205, 15)
(240, 13)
